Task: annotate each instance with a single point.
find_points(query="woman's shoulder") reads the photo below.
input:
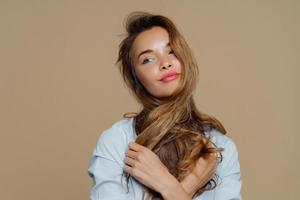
(219, 139)
(230, 151)
(120, 129)
(113, 141)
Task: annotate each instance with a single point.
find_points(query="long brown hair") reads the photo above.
(172, 127)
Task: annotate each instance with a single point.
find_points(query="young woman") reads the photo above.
(169, 150)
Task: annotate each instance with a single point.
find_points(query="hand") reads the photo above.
(146, 167)
(205, 169)
(200, 175)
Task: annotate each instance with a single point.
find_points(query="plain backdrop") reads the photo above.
(60, 88)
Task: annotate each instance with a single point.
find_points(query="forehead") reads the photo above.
(153, 38)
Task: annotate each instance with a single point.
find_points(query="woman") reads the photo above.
(169, 150)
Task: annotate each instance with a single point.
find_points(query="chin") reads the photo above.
(164, 95)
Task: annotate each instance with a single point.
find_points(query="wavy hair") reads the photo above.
(172, 127)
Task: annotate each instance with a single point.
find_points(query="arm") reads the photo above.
(174, 191)
(191, 184)
(228, 170)
(230, 186)
(105, 167)
(200, 175)
(106, 175)
(147, 168)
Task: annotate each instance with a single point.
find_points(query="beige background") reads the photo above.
(60, 88)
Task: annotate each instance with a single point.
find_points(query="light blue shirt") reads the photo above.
(106, 166)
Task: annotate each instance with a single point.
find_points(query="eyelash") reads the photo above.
(145, 60)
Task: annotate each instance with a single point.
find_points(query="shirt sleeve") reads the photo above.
(230, 184)
(106, 169)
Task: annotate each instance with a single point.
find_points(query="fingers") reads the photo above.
(208, 163)
(135, 146)
(211, 158)
(136, 151)
(205, 166)
(129, 161)
(132, 154)
(129, 169)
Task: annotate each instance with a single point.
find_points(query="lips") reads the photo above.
(169, 76)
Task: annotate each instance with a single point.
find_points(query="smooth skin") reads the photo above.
(152, 58)
(146, 167)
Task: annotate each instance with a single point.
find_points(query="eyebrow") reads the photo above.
(149, 50)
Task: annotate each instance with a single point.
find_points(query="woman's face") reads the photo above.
(153, 59)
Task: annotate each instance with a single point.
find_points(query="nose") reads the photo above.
(163, 67)
(165, 64)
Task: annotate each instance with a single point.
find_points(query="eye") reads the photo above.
(171, 52)
(146, 60)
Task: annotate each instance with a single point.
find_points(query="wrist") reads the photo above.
(190, 184)
(174, 190)
(168, 185)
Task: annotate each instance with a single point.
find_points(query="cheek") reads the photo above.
(177, 63)
(147, 76)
